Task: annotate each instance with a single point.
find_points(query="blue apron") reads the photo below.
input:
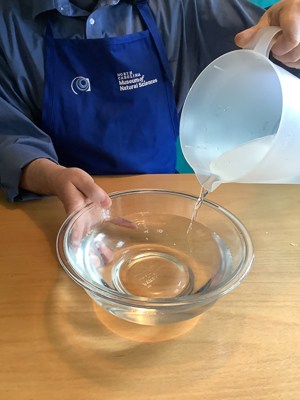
(109, 105)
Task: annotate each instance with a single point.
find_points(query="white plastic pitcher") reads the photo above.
(241, 119)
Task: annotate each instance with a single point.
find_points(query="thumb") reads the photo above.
(244, 38)
(71, 198)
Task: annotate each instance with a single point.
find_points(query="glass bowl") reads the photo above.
(143, 262)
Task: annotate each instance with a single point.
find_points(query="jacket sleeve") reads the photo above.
(21, 140)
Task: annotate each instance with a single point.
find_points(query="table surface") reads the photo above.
(57, 344)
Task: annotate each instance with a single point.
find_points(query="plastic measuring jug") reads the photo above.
(241, 119)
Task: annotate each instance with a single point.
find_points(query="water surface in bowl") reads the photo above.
(158, 259)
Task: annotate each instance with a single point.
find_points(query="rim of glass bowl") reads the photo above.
(195, 299)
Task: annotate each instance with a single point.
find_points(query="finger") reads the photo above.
(77, 234)
(292, 56)
(94, 260)
(244, 38)
(71, 198)
(83, 226)
(106, 255)
(88, 187)
(123, 222)
(290, 38)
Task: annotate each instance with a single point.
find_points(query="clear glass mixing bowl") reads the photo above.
(140, 261)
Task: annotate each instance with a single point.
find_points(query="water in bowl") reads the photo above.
(155, 260)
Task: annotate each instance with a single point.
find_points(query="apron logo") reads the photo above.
(129, 80)
(80, 84)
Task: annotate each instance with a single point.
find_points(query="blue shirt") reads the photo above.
(194, 32)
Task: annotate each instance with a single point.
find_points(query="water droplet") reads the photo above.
(217, 148)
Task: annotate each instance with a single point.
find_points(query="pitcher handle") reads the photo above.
(263, 42)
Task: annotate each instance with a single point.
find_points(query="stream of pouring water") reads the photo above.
(203, 193)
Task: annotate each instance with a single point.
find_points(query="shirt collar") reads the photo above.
(65, 7)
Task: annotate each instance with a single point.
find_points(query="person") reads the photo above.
(94, 87)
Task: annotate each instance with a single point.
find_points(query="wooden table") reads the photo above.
(56, 344)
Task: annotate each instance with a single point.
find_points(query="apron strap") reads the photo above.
(147, 16)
